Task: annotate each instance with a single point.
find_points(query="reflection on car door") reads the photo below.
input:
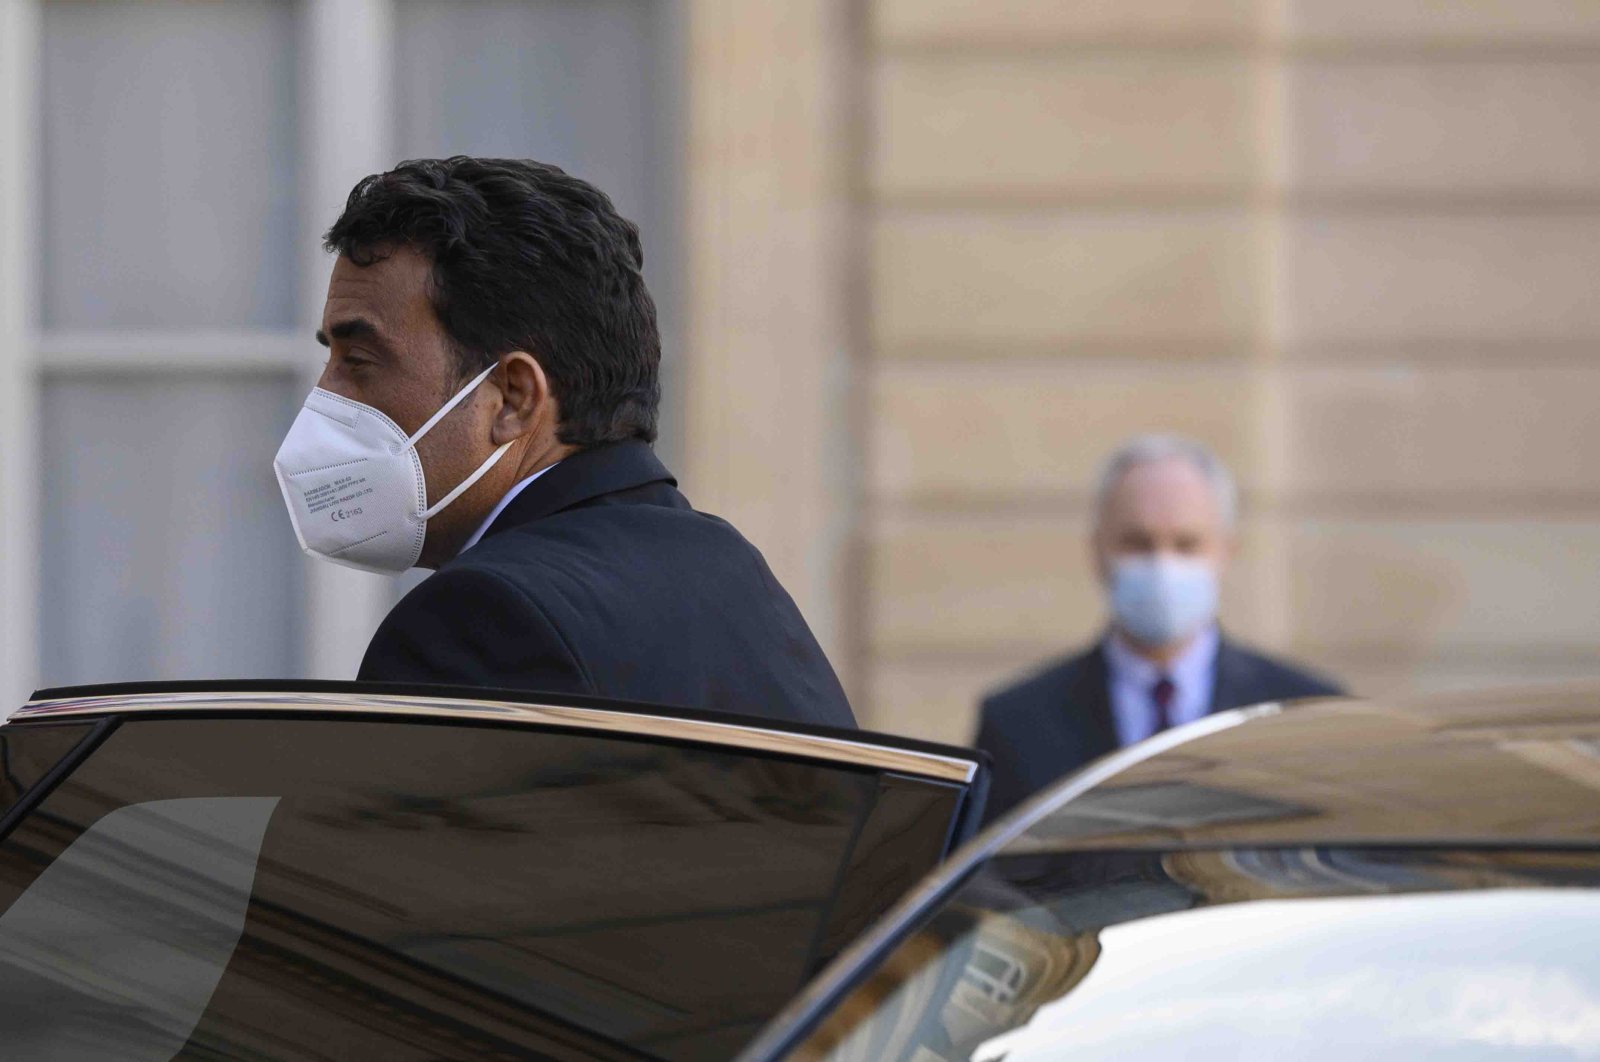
(352, 882)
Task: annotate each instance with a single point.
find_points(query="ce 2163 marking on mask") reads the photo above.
(339, 451)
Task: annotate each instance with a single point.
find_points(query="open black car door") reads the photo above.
(341, 871)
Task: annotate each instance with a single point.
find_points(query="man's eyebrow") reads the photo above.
(349, 329)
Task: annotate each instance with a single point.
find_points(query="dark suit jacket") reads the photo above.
(1059, 719)
(600, 579)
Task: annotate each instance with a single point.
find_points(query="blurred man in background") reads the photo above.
(1164, 522)
(487, 410)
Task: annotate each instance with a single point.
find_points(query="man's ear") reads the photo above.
(527, 405)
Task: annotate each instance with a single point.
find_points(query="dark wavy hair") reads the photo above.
(524, 257)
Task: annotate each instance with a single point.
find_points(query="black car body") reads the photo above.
(331, 871)
(1335, 880)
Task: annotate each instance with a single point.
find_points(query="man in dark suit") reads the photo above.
(487, 411)
(1163, 535)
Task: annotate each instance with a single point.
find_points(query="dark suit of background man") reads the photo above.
(1163, 535)
(573, 564)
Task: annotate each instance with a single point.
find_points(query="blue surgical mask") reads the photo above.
(1161, 600)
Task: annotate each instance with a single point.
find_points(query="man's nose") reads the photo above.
(332, 380)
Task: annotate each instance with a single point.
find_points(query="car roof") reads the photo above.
(442, 704)
(1505, 767)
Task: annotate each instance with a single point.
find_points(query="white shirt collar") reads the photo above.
(500, 507)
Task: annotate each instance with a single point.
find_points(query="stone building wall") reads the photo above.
(1352, 244)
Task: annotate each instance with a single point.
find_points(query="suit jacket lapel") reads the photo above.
(1228, 688)
(1067, 724)
(582, 477)
(1091, 702)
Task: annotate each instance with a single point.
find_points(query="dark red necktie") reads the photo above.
(1161, 695)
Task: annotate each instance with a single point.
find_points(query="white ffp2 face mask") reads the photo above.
(353, 482)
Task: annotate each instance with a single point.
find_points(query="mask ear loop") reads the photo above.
(469, 481)
(448, 406)
(444, 410)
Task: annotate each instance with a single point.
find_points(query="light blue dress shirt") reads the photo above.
(1132, 677)
(500, 506)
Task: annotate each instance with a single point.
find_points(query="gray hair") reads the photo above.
(1146, 449)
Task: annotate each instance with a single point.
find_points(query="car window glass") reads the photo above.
(28, 752)
(1318, 954)
(430, 891)
(122, 939)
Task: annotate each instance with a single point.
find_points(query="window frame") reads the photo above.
(47, 783)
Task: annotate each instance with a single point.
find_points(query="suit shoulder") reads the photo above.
(615, 549)
(461, 582)
(601, 530)
(1293, 680)
(525, 557)
(1044, 685)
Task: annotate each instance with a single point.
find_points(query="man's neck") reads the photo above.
(445, 542)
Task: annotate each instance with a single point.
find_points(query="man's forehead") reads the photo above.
(389, 287)
(1169, 486)
(390, 268)
(350, 280)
